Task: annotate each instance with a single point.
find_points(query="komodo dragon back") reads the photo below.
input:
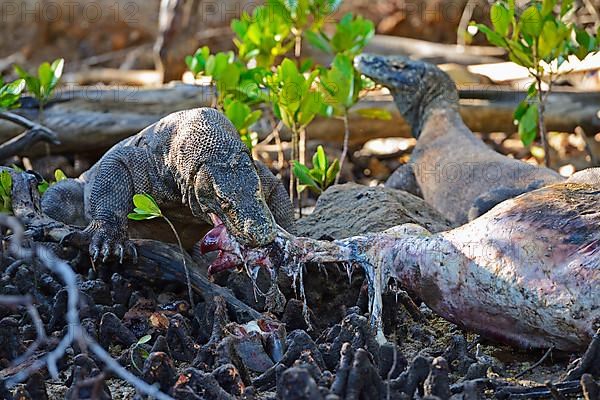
(188, 139)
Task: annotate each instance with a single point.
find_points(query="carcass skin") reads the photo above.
(526, 273)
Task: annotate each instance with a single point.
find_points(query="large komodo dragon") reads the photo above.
(194, 157)
(454, 171)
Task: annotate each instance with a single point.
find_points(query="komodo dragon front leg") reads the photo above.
(404, 178)
(122, 173)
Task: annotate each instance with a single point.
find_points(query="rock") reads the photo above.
(352, 209)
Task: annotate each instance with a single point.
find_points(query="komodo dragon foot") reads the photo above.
(104, 240)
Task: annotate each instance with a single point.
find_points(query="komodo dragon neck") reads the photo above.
(436, 99)
(440, 122)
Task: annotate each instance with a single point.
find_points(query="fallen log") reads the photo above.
(139, 77)
(34, 133)
(434, 52)
(92, 119)
(157, 261)
(437, 53)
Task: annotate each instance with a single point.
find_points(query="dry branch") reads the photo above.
(34, 133)
(92, 120)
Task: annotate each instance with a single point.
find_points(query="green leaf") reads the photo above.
(492, 36)
(237, 112)
(303, 174)
(144, 339)
(48, 77)
(6, 182)
(306, 65)
(520, 54)
(532, 91)
(511, 8)
(587, 43)
(252, 118)
(547, 7)
(10, 94)
(338, 83)
(317, 175)
(352, 34)
(528, 125)
(332, 172)
(309, 108)
(501, 18)
(321, 159)
(59, 175)
(140, 217)
(565, 7)
(319, 41)
(197, 62)
(42, 187)
(33, 83)
(520, 110)
(57, 69)
(531, 21)
(146, 204)
(15, 87)
(374, 113)
(549, 39)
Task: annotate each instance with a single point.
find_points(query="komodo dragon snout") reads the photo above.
(231, 190)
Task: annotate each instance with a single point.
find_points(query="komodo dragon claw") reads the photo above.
(103, 242)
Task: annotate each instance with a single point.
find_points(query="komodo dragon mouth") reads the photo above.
(230, 254)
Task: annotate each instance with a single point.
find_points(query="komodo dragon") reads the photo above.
(454, 171)
(194, 157)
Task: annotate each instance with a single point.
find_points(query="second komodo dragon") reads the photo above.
(194, 157)
(454, 171)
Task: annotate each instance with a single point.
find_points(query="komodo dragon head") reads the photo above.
(232, 192)
(218, 177)
(417, 86)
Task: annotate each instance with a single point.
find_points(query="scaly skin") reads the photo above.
(194, 157)
(526, 273)
(458, 174)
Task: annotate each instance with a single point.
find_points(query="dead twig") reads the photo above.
(556, 395)
(590, 360)
(34, 133)
(537, 364)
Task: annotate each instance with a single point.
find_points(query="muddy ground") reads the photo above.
(326, 350)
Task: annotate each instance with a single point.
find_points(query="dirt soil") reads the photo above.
(280, 356)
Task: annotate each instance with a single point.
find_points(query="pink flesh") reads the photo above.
(218, 239)
(223, 262)
(212, 239)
